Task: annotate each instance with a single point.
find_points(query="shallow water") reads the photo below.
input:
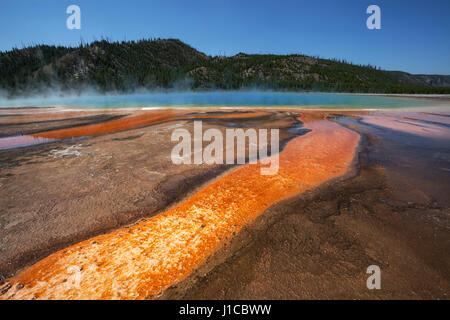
(22, 141)
(418, 165)
(248, 98)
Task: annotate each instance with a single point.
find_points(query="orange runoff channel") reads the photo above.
(131, 121)
(140, 261)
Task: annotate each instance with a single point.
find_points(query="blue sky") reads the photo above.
(415, 35)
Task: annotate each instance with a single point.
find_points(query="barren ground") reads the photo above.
(391, 210)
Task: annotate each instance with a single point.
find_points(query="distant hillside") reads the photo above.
(155, 64)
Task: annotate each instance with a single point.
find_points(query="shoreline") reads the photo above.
(94, 104)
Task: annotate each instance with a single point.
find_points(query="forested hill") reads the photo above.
(171, 64)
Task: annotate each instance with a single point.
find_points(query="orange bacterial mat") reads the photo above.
(140, 261)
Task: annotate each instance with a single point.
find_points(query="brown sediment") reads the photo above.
(230, 114)
(29, 129)
(144, 259)
(131, 121)
(61, 193)
(393, 213)
(318, 246)
(39, 115)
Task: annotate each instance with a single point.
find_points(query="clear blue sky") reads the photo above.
(415, 35)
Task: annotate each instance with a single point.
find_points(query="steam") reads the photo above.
(92, 98)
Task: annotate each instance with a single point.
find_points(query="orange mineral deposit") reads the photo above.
(140, 261)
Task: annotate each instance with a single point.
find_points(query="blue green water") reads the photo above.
(250, 98)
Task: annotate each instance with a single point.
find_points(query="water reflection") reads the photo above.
(22, 141)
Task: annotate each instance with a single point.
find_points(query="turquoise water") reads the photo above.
(252, 98)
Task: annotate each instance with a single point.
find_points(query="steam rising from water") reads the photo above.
(91, 99)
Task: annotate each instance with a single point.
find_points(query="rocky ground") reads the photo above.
(56, 194)
(392, 210)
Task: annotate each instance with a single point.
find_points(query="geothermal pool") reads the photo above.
(232, 99)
